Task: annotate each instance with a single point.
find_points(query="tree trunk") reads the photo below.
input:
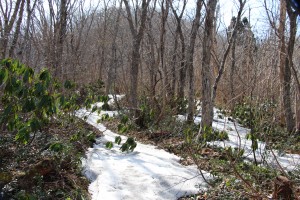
(289, 62)
(166, 84)
(7, 26)
(111, 76)
(284, 70)
(61, 38)
(209, 91)
(17, 30)
(207, 103)
(25, 51)
(232, 70)
(189, 63)
(182, 67)
(137, 36)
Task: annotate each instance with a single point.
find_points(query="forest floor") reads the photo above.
(49, 167)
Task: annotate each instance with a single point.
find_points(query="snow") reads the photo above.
(145, 173)
(237, 139)
(152, 173)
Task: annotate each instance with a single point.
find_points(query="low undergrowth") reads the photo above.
(42, 141)
(266, 124)
(50, 166)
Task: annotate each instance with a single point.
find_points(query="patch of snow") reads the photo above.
(237, 139)
(145, 173)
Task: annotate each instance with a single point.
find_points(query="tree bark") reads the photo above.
(284, 69)
(189, 62)
(111, 76)
(137, 36)
(165, 80)
(206, 72)
(6, 26)
(62, 29)
(182, 67)
(294, 124)
(209, 91)
(17, 30)
(25, 51)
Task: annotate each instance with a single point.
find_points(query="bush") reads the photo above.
(32, 106)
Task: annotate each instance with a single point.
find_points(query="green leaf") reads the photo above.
(62, 100)
(44, 75)
(124, 147)
(124, 119)
(104, 117)
(109, 145)
(39, 89)
(94, 108)
(23, 135)
(28, 106)
(130, 141)
(68, 84)
(34, 125)
(27, 75)
(118, 140)
(104, 99)
(56, 147)
(132, 146)
(91, 137)
(11, 125)
(124, 129)
(45, 101)
(3, 75)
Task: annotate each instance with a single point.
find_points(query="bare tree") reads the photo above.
(182, 68)
(209, 90)
(61, 36)
(165, 4)
(17, 30)
(294, 124)
(207, 103)
(284, 69)
(190, 60)
(137, 33)
(24, 48)
(111, 76)
(8, 18)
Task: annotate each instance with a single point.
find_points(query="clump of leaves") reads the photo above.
(124, 124)
(209, 134)
(128, 146)
(28, 100)
(104, 99)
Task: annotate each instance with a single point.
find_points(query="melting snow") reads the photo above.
(151, 173)
(237, 139)
(145, 173)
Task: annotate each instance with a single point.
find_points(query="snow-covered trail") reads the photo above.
(151, 173)
(145, 173)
